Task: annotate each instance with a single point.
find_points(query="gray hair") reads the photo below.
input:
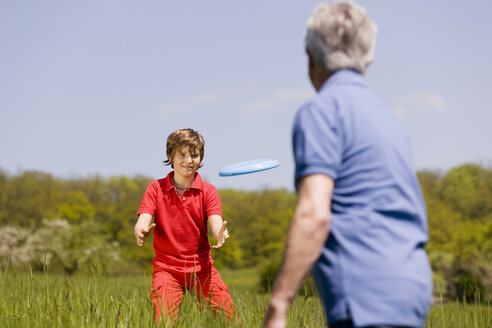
(341, 35)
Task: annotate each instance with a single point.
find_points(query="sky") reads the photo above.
(94, 87)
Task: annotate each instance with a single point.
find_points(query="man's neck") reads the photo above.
(317, 75)
(319, 79)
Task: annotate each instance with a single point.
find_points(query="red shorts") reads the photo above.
(168, 289)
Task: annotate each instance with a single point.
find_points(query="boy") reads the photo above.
(181, 204)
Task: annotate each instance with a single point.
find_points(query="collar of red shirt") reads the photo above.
(168, 183)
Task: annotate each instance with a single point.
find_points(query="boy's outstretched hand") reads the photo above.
(222, 235)
(141, 233)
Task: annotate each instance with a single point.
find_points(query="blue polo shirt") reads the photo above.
(373, 267)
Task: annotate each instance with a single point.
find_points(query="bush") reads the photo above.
(61, 246)
(470, 274)
(12, 251)
(469, 281)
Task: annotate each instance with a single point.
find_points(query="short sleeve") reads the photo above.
(212, 201)
(149, 200)
(316, 140)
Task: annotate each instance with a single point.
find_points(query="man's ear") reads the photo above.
(310, 58)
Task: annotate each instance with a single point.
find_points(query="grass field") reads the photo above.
(46, 300)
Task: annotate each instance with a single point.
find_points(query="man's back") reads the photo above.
(373, 262)
(360, 221)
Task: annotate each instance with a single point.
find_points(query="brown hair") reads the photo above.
(184, 138)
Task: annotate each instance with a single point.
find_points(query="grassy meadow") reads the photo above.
(50, 300)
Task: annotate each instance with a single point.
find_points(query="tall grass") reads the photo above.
(48, 300)
(455, 314)
(42, 300)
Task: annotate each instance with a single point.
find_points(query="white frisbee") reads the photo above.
(256, 165)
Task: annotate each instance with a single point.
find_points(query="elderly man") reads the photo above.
(360, 224)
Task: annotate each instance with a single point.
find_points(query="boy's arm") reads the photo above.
(219, 230)
(143, 228)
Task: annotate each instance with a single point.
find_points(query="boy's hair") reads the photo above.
(184, 138)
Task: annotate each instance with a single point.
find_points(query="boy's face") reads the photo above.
(186, 163)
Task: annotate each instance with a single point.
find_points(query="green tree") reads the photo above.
(76, 208)
(259, 221)
(459, 209)
(125, 196)
(429, 182)
(443, 224)
(470, 275)
(230, 255)
(4, 178)
(116, 201)
(30, 198)
(468, 189)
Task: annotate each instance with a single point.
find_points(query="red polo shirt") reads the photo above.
(180, 236)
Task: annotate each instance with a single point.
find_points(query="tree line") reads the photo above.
(86, 224)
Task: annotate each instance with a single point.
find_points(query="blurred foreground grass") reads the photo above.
(45, 300)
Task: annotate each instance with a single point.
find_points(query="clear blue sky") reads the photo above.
(94, 87)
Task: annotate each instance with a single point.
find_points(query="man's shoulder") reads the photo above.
(323, 105)
(315, 103)
(327, 97)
